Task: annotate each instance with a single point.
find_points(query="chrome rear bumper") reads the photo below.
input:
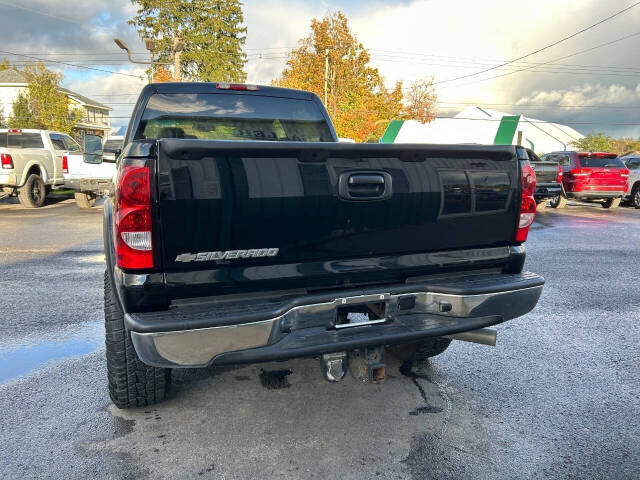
(307, 329)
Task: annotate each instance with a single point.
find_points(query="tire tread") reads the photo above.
(131, 382)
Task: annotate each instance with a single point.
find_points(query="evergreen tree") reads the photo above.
(212, 32)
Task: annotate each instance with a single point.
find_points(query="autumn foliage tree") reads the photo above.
(358, 102)
(162, 74)
(42, 105)
(420, 101)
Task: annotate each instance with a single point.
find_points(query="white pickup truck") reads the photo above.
(34, 162)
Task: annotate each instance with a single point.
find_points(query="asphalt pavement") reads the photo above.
(557, 398)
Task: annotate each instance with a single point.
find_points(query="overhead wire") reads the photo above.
(534, 52)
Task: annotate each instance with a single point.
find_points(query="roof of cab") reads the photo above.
(212, 87)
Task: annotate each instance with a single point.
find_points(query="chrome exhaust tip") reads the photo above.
(483, 336)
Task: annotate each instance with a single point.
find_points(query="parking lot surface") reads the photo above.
(557, 398)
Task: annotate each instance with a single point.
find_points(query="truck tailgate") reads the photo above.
(546, 172)
(236, 214)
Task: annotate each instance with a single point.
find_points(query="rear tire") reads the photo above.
(635, 196)
(559, 201)
(33, 192)
(611, 203)
(131, 382)
(84, 200)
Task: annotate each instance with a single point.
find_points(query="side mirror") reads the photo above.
(92, 149)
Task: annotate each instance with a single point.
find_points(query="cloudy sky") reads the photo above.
(596, 90)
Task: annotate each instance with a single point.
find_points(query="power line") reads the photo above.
(543, 48)
(466, 64)
(72, 65)
(537, 105)
(478, 60)
(606, 44)
(13, 5)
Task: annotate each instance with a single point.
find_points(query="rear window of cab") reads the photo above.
(232, 117)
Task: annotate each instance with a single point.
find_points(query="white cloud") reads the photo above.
(407, 40)
(587, 95)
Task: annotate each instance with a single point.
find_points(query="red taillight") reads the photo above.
(7, 161)
(134, 248)
(237, 86)
(624, 173)
(559, 174)
(527, 203)
(65, 164)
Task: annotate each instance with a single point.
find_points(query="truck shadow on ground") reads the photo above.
(51, 199)
(286, 420)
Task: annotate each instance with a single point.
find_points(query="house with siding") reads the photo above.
(95, 115)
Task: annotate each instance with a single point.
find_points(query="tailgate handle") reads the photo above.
(364, 185)
(366, 179)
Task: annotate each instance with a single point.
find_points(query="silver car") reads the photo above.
(632, 162)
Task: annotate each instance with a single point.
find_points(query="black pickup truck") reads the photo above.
(549, 189)
(242, 231)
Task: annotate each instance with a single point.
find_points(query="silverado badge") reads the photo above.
(227, 255)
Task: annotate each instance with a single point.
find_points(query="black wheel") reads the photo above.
(33, 192)
(85, 200)
(611, 203)
(635, 196)
(131, 382)
(541, 206)
(559, 201)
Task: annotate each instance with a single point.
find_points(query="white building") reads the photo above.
(484, 126)
(95, 117)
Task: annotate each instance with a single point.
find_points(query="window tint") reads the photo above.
(57, 141)
(599, 162)
(563, 160)
(22, 140)
(64, 142)
(232, 117)
(632, 163)
(71, 144)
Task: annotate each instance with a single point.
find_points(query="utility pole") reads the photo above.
(178, 45)
(326, 74)
(151, 46)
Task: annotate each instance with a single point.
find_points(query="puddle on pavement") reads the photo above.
(18, 361)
